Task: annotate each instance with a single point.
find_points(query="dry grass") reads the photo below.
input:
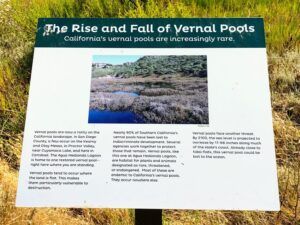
(17, 26)
(9, 214)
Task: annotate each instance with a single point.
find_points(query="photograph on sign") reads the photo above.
(169, 89)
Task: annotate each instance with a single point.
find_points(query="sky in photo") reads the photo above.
(115, 59)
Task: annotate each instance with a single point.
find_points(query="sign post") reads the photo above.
(148, 217)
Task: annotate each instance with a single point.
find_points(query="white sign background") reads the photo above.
(239, 101)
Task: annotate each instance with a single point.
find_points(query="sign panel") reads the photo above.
(149, 113)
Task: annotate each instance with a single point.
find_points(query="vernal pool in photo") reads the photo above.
(164, 89)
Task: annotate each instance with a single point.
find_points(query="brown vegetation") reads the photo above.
(162, 99)
(17, 32)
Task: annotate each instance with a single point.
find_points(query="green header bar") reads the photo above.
(151, 33)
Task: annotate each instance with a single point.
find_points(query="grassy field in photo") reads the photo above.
(150, 89)
(18, 20)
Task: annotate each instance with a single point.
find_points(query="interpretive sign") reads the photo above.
(149, 113)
